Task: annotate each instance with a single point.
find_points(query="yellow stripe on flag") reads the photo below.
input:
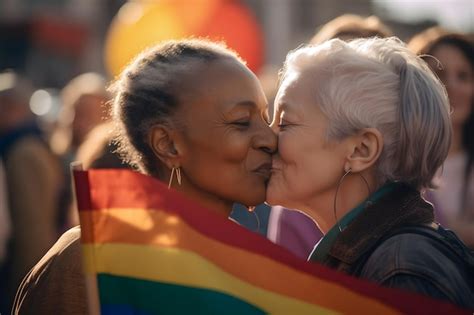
(187, 269)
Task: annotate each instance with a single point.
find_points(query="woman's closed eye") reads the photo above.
(243, 123)
(284, 125)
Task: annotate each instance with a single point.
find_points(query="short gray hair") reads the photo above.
(379, 83)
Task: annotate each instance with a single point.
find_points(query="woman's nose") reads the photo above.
(266, 140)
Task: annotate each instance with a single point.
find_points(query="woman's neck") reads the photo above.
(208, 200)
(352, 192)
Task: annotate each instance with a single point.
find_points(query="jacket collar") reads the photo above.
(403, 206)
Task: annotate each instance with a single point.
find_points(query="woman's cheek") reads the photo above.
(234, 148)
(290, 155)
(285, 146)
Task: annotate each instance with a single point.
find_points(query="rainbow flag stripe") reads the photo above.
(148, 250)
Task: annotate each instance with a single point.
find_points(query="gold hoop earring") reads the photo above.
(337, 190)
(176, 170)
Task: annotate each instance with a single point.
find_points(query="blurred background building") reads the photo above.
(52, 41)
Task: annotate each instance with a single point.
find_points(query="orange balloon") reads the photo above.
(235, 24)
(193, 13)
(136, 27)
(141, 24)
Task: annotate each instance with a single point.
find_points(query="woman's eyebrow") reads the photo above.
(235, 105)
(245, 104)
(250, 105)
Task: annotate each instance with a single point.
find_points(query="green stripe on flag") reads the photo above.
(164, 298)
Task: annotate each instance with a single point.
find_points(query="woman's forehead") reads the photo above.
(221, 86)
(297, 87)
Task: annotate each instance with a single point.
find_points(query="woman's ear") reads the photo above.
(161, 139)
(365, 149)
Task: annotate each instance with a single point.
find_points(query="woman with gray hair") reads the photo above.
(363, 127)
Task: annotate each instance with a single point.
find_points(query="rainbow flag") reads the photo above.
(148, 250)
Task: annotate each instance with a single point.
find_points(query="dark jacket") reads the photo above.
(379, 245)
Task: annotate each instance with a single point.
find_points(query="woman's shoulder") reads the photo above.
(421, 259)
(56, 283)
(64, 255)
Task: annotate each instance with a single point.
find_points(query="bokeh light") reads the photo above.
(41, 102)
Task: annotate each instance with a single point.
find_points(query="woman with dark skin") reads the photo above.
(210, 120)
(191, 114)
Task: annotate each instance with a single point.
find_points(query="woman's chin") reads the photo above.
(254, 198)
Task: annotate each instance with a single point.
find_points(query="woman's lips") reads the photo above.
(276, 165)
(264, 169)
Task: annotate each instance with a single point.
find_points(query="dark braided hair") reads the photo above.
(147, 93)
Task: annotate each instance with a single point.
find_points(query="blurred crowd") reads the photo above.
(36, 202)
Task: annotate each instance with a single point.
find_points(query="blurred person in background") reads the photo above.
(97, 151)
(33, 180)
(82, 109)
(55, 283)
(350, 26)
(5, 222)
(291, 229)
(83, 100)
(453, 62)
